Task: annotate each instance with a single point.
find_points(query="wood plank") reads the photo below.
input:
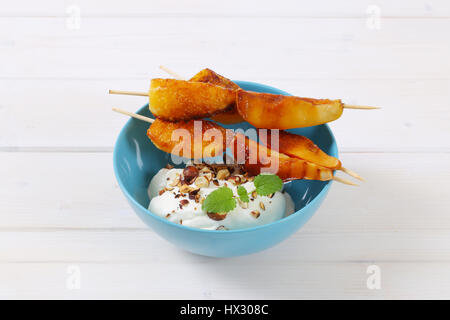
(77, 113)
(234, 8)
(223, 279)
(79, 190)
(144, 246)
(130, 47)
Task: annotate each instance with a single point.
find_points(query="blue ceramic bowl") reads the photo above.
(137, 160)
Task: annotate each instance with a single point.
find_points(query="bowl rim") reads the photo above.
(187, 228)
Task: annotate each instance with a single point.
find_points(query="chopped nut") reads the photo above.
(184, 202)
(167, 215)
(262, 206)
(201, 165)
(202, 182)
(221, 228)
(208, 175)
(216, 183)
(255, 214)
(175, 181)
(219, 166)
(254, 194)
(161, 191)
(217, 216)
(242, 204)
(197, 198)
(205, 169)
(189, 174)
(185, 188)
(236, 180)
(193, 194)
(181, 221)
(223, 174)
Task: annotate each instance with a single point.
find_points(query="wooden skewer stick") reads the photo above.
(150, 120)
(349, 106)
(173, 74)
(352, 173)
(344, 181)
(145, 94)
(134, 115)
(129, 93)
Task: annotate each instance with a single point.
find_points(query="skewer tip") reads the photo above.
(170, 72)
(134, 115)
(344, 181)
(352, 173)
(349, 106)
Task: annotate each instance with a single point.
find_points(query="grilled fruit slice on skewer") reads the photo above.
(298, 146)
(176, 100)
(275, 111)
(259, 158)
(207, 75)
(256, 157)
(197, 140)
(160, 132)
(325, 110)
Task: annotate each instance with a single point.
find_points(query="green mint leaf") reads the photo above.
(219, 201)
(243, 195)
(267, 184)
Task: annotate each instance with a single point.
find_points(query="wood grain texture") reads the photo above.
(224, 279)
(144, 246)
(130, 47)
(231, 8)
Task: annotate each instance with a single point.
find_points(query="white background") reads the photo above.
(61, 209)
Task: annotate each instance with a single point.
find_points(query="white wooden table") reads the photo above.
(66, 231)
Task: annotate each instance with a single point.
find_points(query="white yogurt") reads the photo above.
(168, 204)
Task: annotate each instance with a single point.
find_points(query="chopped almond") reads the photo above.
(202, 182)
(236, 180)
(175, 181)
(242, 204)
(222, 174)
(255, 214)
